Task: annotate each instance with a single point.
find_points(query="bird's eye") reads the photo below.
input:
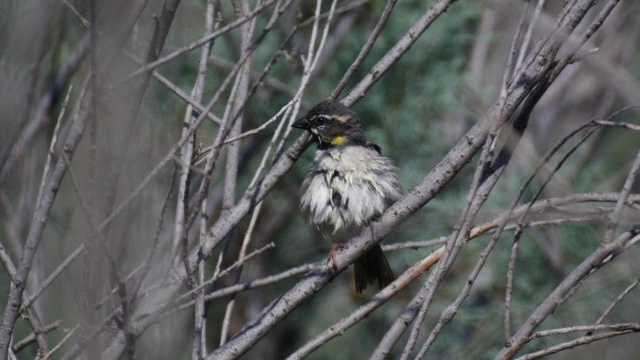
(321, 120)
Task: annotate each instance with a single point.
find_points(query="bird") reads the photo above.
(349, 184)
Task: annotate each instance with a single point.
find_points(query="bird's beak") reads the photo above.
(302, 124)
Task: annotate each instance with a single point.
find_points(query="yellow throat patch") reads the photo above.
(338, 140)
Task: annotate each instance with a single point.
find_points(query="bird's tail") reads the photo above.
(372, 268)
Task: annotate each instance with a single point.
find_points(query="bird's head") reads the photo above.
(332, 124)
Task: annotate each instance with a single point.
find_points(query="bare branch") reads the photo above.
(194, 45)
(365, 49)
(376, 301)
(143, 280)
(50, 183)
(622, 200)
(613, 304)
(397, 51)
(587, 266)
(577, 342)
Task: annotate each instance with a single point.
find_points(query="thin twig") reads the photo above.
(613, 304)
(61, 343)
(580, 328)
(508, 292)
(577, 342)
(67, 70)
(587, 267)
(50, 183)
(231, 289)
(365, 49)
(487, 173)
(534, 71)
(527, 37)
(235, 105)
(194, 45)
(397, 51)
(100, 242)
(614, 219)
(148, 262)
(188, 99)
(223, 133)
(509, 72)
(18, 346)
(277, 54)
(376, 301)
(514, 248)
(32, 316)
(309, 64)
(199, 332)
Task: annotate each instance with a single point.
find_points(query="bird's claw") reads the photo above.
(333, 253)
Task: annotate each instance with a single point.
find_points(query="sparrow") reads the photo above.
(349, 184)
